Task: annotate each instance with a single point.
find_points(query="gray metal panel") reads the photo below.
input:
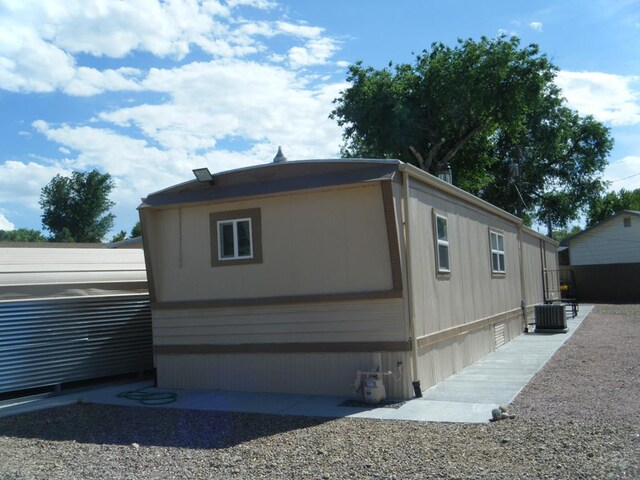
(54, 341)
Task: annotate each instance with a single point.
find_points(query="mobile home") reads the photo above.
(293, 276)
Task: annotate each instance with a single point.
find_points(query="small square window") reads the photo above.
(442, 244)
(626, 222)
(236, 237)
(497, 252)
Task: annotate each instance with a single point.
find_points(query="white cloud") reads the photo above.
(608, 97)
(224, 99)
(303, 31)
(225, 111)
(21, 182)
(39, 41)
(5, 224)
(315, 52)
(624, 173)
(537, 26)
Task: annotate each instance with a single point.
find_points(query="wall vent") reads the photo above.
(498, 334)
(551, 318)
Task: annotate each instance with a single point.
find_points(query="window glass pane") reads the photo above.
(500, 243)
(495, 264)
(494, 241)
(442, 228)
(244, 238)
(226, 240)
(443, 257)
(501, 259)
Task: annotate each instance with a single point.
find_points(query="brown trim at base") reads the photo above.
(284, 300)
(327, 347)
(443, 335)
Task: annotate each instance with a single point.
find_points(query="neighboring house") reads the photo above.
(292, 276)
(606, 259)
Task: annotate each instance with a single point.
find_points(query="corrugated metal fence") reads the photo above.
(58, 340)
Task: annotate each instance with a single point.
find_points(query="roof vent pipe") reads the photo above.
(279, 156)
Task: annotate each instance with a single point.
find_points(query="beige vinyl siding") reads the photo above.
(470, 292)
(373, 320)
(608, 243)
(532, 264)
(439, 361)
(551, 256)
(299, 373)
(60, 272)
(312, 243)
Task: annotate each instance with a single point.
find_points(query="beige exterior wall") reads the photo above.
(443, 359)
(532, 263)
(312, 243)
(300, 373)
(463, 316)
(459, 318)
(362, 321)
(471, 291)
(333, 241)
(551, 256)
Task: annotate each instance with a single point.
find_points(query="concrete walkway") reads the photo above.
(468, 396)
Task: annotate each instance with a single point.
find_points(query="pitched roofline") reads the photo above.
(276, 165)
(602, 222)
(439, 184)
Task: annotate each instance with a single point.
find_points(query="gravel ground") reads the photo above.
(578, 418)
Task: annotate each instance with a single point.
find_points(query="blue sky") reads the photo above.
(149, 90)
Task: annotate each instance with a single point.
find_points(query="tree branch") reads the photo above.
(460, 142)
(416, 154)
(432, 153)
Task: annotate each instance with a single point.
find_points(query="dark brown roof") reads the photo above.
(274, 178)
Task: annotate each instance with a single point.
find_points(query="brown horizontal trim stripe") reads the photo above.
(327, 347)
(452, 332)
(284, 300)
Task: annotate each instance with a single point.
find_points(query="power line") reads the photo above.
(630, 176)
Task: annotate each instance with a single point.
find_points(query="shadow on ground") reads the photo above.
(115, 425)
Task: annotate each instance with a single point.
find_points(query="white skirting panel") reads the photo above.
(299, 373)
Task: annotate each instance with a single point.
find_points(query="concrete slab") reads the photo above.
(467, 396)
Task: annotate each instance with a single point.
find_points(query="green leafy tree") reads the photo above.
(21, 235)
(483, 108)
(606, 205)
(561, 234)
(118, 237)
(76, 208)
(136, 231)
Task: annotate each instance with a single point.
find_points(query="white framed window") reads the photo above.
(442, 244)
(497, 252)
(234, 239)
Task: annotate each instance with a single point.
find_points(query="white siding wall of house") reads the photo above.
(608, 243)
